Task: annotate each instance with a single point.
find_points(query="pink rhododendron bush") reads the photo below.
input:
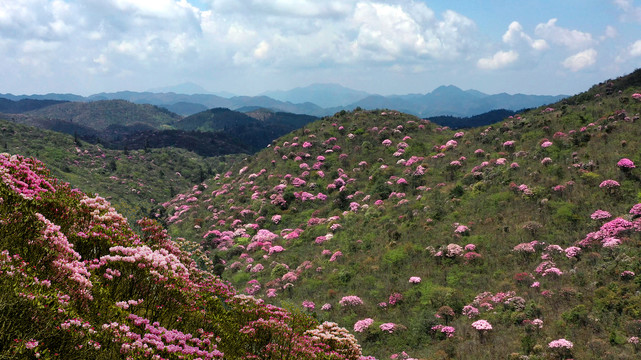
(77, 282)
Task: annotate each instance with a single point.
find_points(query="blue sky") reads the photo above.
(251, 46)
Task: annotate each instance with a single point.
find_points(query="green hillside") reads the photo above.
(254, 129)
(517, 239)
(99, 115)
(135, 181)
(119, 124)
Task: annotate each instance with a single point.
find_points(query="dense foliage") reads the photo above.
(517, 239)
(78, 283)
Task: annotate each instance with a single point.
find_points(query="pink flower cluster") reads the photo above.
(470, 311)
(482, 325)
(388, 327)
(572, 251)
(508, 144)
(26, 177)
(153, 338)
(560, 344)
(461, 229)
(395, 298)
(309, 305)
(66, 260)
(362, 325)
(636, 210)
(627, 274)
(351, 300)
(163, 264)
(525, 247)
(609, 184)
(447, 330)
(626, 163)
(537, 323)
(600, 214)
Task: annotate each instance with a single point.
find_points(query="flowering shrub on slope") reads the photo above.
(77, 283)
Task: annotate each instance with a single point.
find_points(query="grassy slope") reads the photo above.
(384, 245)
(135, 183)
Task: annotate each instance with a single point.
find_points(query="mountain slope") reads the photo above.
(78, 282)
(135, 181)
(255, 129)
(185, 108)
(24, 105)
(484, 119)
(521, 238)
(101, 114)
(323, 95)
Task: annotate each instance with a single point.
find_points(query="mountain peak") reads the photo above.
(447, 89)
(187, 88)
(321, 94)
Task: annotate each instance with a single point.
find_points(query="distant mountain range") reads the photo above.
(121, 124)
(323, 95)
(318, 100)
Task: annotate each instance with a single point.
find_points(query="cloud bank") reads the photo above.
(67, 45)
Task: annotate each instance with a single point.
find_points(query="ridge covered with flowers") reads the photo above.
(528, 227)
(77, 282)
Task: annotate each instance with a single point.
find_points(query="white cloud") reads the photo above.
(100, 65)
(376, 33)
(611, 32)
(630, 52)
(261, 50)
(515, 34)
(92, 42)
(168, 35)
(635, 49)
(286, 8)
(572, 39)
(393, 32)
(159, 9)
(39, 46)
(499, 60)
(630, 12)
(580, 60)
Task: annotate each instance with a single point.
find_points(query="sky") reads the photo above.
(247, 47)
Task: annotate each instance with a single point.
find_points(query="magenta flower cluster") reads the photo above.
(626, 163)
